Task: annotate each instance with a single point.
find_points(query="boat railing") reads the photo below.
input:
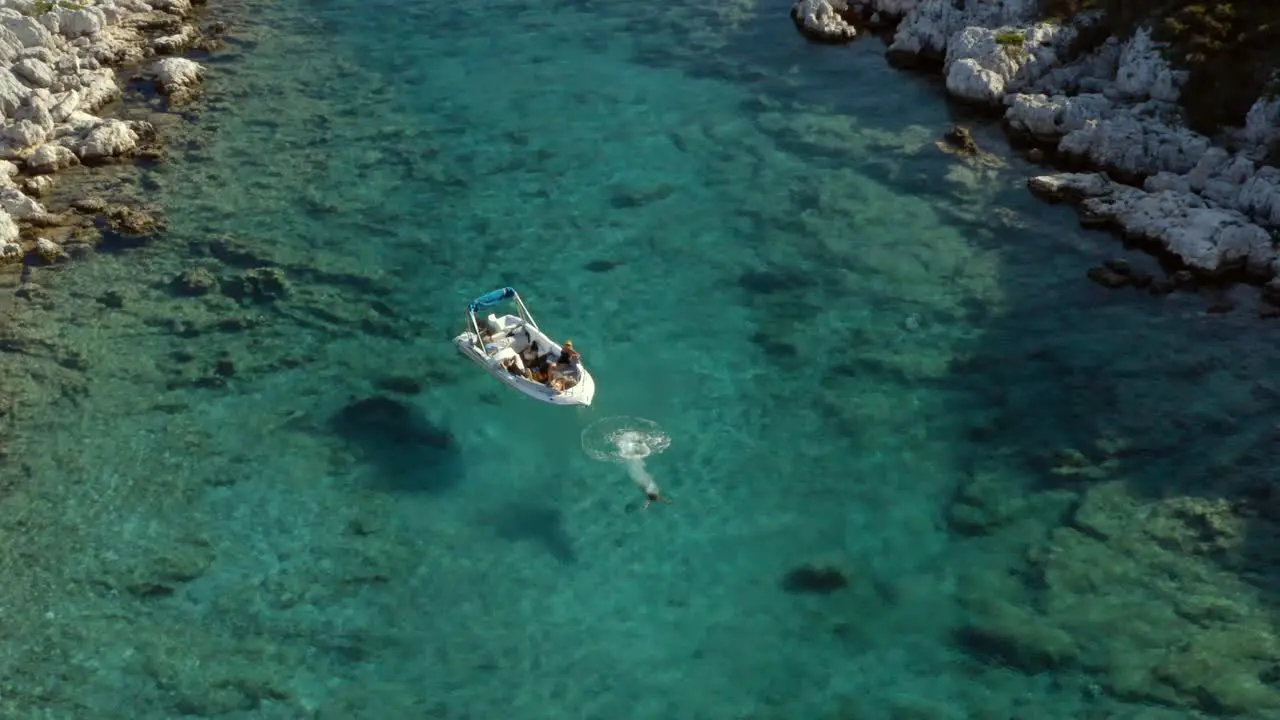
(475, 328)
(528, 316)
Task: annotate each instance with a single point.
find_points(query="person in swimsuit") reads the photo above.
(569, 358)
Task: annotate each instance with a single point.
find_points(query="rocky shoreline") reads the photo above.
(65, 69)
(1110, 115)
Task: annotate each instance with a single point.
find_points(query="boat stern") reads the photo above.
(584, 392)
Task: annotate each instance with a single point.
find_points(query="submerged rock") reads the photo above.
(814, 579)
(961, 138)
(1015, 638)
(195, 282)
(49, 251)
(50, 158)
(38, 185)
(260, 285)
(107, 140)
(1117, 274)
(131, 220)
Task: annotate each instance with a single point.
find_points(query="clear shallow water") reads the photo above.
(753, 241)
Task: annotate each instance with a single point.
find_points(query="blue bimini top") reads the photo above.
(492, 298)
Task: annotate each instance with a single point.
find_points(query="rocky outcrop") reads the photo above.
(1206, 238)
(984, 64)
(56, 63)
(823, 20)
(1112, 110)
(179, 78)
(927, 26)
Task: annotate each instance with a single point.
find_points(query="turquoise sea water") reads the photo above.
(308, 505)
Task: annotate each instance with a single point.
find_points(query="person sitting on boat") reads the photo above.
(567, 369)
(568, 356)
(510, 360)
(530, 354)
(535, 360)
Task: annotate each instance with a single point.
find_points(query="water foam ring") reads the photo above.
(622, 439)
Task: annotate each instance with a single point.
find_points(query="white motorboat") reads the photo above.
(515, 350)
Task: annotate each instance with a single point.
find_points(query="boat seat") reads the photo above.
(494, 344)
(506, 354)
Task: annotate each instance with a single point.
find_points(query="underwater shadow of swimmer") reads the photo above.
(410, 452)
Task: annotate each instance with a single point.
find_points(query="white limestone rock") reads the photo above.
(12, 92)
(64, 104)
(36, 109)
(18, 205)
(34, 72)
(982, 64)
(822, 20)
(121, 10)
(1165, 180)
(1143, 72)
(50, 21)
(82, 22)
(43, 54)
(1206, 238)
(7, 172)
(29, 31)
(930, 24)
(978, 67)
(110, 139)
(50, 158)
(177, 77)
(8, 233)
(114, 45)
(1113, 109)
(970, 79)
(1236, 181)
(98, 87)
(1091, 73)
(77, 125)
(21, 135)
(1134, 145)
(1210, 164)
(188, 35)
(49, 250)
(11, 47)
(37, 186)
(1259, 197)
(173, 7)
(1070, 187)
(1262, 126)
(56, 71)
(1047, 119)
(892, 8)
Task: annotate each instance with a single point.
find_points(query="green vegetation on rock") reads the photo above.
(1231, 51)
(1010, 38)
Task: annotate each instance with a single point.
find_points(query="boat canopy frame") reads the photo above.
(494, 298)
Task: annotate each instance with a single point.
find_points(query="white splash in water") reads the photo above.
(628, 440)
